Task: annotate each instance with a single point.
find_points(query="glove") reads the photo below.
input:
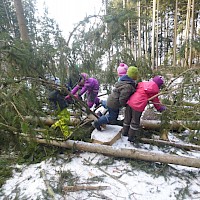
(162, 108)
(67, 97)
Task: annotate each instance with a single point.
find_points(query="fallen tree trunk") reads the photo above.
(147, 124)
(174, 144)
(121, 152)
(174, 125)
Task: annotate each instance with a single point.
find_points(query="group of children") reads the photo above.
(126, 93)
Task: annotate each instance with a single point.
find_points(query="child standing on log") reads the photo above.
(89, 85)
(117, 99)
(136, 105)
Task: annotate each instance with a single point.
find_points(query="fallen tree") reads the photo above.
(120, 152)
(147, 124)
(169, 143)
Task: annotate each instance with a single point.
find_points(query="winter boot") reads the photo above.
(96, 125)
(134, 136)
(125, 130)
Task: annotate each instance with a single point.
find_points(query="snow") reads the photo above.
(123, 180)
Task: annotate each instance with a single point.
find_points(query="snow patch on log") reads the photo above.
(107, 136)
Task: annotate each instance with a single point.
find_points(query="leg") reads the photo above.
(91, 98)
(105, 119)
(134, 130)
(127, 120)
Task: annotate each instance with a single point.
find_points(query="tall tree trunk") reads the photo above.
(21, 20)
(139, 29)
(187, 28)
(175, 33)
(153, 36)
(157, 35)
(192, 33)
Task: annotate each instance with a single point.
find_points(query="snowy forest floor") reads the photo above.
(84, 175)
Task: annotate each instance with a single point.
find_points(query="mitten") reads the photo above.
(162, 108)
(67, 97)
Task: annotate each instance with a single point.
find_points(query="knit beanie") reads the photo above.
(122, 69)
(158, 80)
(132, 72)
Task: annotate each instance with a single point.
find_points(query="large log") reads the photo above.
(147, 124)
(174, 125)
(169, 143)
(122, 152)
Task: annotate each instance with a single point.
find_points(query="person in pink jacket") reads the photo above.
(89, 85)
(136, 105)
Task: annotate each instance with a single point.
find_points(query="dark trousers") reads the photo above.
(131, 124)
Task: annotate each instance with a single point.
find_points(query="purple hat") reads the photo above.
(158, 80)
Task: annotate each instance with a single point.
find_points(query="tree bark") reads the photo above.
(153, 36)
(147, 124)
(122, 152)
(175, 33)
(21, 20)
(174, 144)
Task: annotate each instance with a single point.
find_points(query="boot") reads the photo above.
(134, 136)
(97, 126)
(125, 130)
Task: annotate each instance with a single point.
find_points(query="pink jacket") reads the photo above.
(145, 90)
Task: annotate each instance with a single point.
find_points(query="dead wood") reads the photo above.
(174, 144)
(83, 187)
(121, 152)
(147, 124)
(174, 125)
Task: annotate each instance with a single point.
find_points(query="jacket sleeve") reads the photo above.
(75, 89)
(156, 103)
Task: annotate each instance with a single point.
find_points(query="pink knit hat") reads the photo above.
(122, 69)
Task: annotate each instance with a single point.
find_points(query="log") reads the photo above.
(49, 121)
(174, 125)
(147, 124)
(121, 152)
(174, 144)
(76, 188)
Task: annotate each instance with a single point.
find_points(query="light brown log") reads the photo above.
(174, 125)
(123, 152)
(174, 144)
(147, 124)
(83, 187)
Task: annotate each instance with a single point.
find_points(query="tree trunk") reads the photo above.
(187, 28)
(21, 20)
(192, 32)
(122, 152)
(153, 36)
(147, 124)
(139, 29)
(157, 32)
(175, 33)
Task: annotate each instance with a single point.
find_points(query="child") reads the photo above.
(119, 96)
(91, 85)
(136, 105)
(121, 70)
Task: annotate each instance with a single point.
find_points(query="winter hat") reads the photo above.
(122, 69)
(84, 76)
(158, 80)
(132, 72)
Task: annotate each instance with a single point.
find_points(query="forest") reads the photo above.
(158, 37)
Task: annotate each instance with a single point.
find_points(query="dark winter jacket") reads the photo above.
(121, 93)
